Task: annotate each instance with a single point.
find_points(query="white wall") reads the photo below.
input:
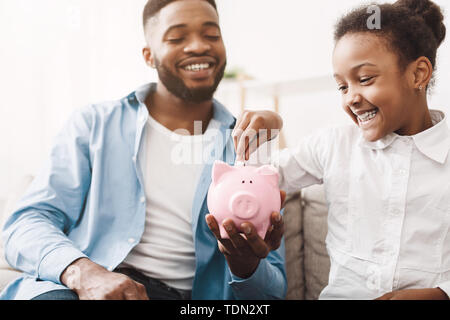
(56, 56)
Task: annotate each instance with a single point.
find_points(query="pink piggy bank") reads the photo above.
(244, 194)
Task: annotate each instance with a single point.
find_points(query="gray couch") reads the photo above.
(307, 262)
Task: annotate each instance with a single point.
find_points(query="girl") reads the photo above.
(387, 179)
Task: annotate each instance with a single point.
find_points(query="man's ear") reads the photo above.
(148, 57)
(423, 71)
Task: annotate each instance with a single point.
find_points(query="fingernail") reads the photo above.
(278, 217)
(247, 230)
(228, 227)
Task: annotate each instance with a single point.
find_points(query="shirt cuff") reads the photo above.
(56, 261)
(445, 286)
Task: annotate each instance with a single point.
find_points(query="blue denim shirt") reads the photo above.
(88, 200)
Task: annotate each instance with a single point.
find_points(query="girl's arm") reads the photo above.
(298, 168)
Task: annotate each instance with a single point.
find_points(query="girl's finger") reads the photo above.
(248, 135)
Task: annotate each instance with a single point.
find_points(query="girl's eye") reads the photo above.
(342, 88)
(365, 80)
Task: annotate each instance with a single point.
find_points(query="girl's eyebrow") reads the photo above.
(365, 64)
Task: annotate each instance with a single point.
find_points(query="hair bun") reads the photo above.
(430, 12)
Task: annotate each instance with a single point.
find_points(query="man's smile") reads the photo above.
(198, 68)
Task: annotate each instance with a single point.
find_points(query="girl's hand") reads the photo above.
(415, 294)
(254, 128)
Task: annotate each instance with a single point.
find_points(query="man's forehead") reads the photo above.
(184, 12)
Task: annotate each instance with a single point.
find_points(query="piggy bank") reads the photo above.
(244, 194)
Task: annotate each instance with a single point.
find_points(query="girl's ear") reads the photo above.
(423, 71)
(148, 57)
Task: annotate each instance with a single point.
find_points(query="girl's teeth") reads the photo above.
(368, 116)
(197, 67)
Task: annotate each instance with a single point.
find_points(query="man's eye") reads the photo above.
(214, 38)
(175, 40)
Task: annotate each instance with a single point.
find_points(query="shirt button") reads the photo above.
(131, 240)
(142, 199)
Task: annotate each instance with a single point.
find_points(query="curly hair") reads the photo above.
(411, 28)
(154, 6)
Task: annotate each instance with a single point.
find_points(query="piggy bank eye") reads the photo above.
(251, 181)
(243, 181)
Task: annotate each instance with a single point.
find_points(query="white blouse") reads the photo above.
(389, 207)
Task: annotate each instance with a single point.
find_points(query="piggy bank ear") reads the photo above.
(269, 173)
(219, 168)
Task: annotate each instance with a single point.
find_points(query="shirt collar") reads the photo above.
(220, 113)
(433, 142)
(380, 144)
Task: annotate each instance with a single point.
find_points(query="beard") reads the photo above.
(176, 86)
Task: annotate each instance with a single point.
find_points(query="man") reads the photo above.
(111, 215)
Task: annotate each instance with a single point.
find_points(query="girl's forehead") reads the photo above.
(356, 48)
(359, 43)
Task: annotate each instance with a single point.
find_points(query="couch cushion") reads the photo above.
(294, 247)
(315, 227)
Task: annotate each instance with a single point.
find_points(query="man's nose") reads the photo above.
(197, 45)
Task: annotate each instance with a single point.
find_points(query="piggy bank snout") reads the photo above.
(244, 205)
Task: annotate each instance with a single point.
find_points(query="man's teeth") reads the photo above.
(368, 115)
(197, 67)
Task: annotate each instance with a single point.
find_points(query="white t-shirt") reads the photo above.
(171, 164)
(389, 207)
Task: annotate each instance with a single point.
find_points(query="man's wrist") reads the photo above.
(71, 277)
(244, 273)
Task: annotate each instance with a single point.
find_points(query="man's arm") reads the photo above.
(34, 235)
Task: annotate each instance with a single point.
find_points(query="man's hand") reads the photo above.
(415, 294)
(93, 282)
(249, 134)
(243, 252)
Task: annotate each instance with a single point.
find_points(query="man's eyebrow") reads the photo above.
(183, 25)
(211, 24)
(365, 64)
(176, 26)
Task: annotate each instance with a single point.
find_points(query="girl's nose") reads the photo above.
(353, 99)
(197, 46)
